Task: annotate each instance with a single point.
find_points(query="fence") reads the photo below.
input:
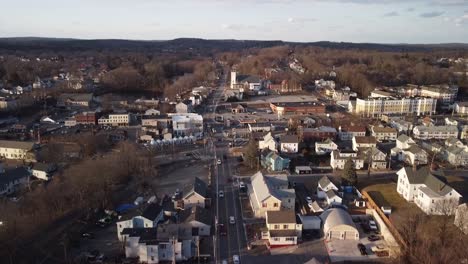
(391, 227)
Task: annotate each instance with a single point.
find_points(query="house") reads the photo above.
(338, 159)
(189, 124)
(375, 158)
(461, 218)
(152, 112)
(196, 194)
(338, 225)
(347, 133)
(284, 229)
(325, 147)
(268, 142)
(21, 150)
(247, 82)
(12, 179)
(200, 219)
(384, 133)
(364, 142)
(333, 197)
(43, 171)
(428, 190)
(183, 108)
(324, 185)
(75, 100)
(274, 162)
(414, 155)
(270, 193)
(456, 155)
(141, 243)
(151, 216)
(404, 142)
(401, 125)
(450, 142)
(435, 132)
(461, 108)
(289, 144)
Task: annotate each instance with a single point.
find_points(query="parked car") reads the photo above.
(374, 238)
(235, 259)
(372, 225)
(88, 235)
(308, 199)
(232, 220)
(219, 162)
(362, 249)
(221, 194)
(242, 185)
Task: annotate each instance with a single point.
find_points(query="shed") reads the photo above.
(337, 224)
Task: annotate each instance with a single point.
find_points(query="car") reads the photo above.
(221, 194)
(242, 185)
(362, 249)
(236, 259)
(374, 238)
(232, 220)
(308, 199)
(222, 230)
(218, 162)
(88, 235)
(372, 225)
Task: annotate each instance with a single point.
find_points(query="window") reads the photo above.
(264, 205)
(275, 239)
(432, 200)
(285, 226)
(276, 226)
(275, 205)
(152, 258)
(290, 239)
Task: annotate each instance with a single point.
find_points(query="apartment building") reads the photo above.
(115, 120)
(435, 132)
(376, 106)
(339, 158)
(347, 133)
(384, 133)
(10, 149)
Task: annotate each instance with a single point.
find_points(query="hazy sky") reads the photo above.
(383, 21)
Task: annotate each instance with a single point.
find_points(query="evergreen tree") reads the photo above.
(349, 175)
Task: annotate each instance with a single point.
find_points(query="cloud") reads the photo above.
(300, 20)
(461, 20)
(432, 14)
(411, 9)
(237, 27)
(391, 14)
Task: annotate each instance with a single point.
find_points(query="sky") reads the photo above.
(377, 21)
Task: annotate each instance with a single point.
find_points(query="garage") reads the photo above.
(338, 225)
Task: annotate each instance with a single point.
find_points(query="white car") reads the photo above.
(219, 162)
(235, 259)
(372, 225)
(308, 199)
(232, 220)
(221, 194)
(242, 185)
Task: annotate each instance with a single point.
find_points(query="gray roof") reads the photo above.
(196, 213)
(403, 138)
(335, 217)
(423, 175)
(43, 167)
(324, 181)
(198, 186)
(11, 175)
(152, 211)
(290, 139)
(27, 145)
(332, 193)
(279, 217)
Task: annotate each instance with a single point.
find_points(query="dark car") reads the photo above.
(222, 230)
(87, 235)
(373, 238)
(362, 249)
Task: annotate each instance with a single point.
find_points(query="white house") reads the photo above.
(384, 133)
(189, 124)
(323, 186)
(338, 159)
(325, 147)
(428, 191)
(435, 132)
(150, 218)
(347, 133)
(195, 195)
(364, 142)
(270, 193)
(375, 159)
(289, 144)
(43, 171)
(268, 142)
(198, 218)
(283, 228)
(333, 197)
(183, 108)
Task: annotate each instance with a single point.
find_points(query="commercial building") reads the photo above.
(115, 120)
(86, 118)
(10, 149)
(377, 106)
(297, 108)
(187, 124)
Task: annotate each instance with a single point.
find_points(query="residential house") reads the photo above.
(11, 179)
(461, 218)
(428, 190)
(408, 151)
(200, 219)
(270, 193)
(401, 125)
(461, 108)
(375, 159)
(323, 186)
(268, 142)
(383, 133)
(196, 195)
(289, 144)
(284, 229)
(274, 162)
(325, 147)
(43, 171)
(404, 142)
(151, 216)
(333, 197)
(338, 159)
(450, 142)
(152, 112)
(246, 82)
(435, 132)
(364, 142)
(75, 100)
(21, 150)
(183, 108)
(456, 155)
(347, 133)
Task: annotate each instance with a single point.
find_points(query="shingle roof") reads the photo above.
(366, 140)
(152, 211)
(196, 213)
(423, 175)
(290, 139)
(16, 144)
(279, 217)
(324, 181)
